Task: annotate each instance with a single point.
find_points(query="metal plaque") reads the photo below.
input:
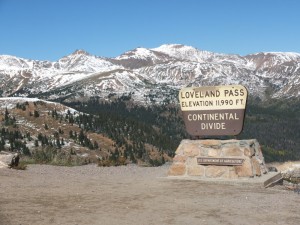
(215, 110)
(220, 161)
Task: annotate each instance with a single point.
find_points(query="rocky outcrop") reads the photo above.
(8, 159)
(289, 170)
(185, 162)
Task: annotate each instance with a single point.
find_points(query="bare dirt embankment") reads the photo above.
(134, 195)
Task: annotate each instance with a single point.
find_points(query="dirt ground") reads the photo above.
(135, 195)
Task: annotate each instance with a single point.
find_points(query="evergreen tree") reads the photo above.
(81, 137)
(36, 113)
(58, 143)
(71, 134)
(96, 146)
(6, 117)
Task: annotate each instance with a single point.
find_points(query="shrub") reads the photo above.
(21, 166)
(121, 161)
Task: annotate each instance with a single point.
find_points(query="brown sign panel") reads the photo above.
(220, 161)
(216, 110)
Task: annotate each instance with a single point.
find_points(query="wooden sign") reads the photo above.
(220, 161)
(215, 110)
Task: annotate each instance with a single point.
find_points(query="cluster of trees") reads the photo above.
(275, 124)
(9, 120)
(83, 139)
(46, 147)
(52, 141)
(137, 129)
(24, 105)
(133, 126)
(18, 141)
(15, 140)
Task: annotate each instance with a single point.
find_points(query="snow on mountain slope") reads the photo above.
(40, 76)
(12, 63)
(270, 59)
(138, 53)
(186, 53)
(281, 70)
(146, 71)
(10, 103)
(83, 61)
(141, 57)
(189, 53)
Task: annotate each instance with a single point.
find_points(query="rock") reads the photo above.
(292, 173)
(204, 151)
(211, 142)
(245, 170)
(232, 151)
(272, 169)
(192, 162)
(191, 150)
(179, 150)
(232, 174)
(177, 170)
(249, 152)
(214, 153)
(296, 173)
(289, 170)
(8, 159)
(256, 167)
(230, 142)
(180, 158)
(196, 170)
(216, 171)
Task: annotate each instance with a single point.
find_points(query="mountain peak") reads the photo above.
(183, 52)
(80, 52)
(173, 47)
(137, 53)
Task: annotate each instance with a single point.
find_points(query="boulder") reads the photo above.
(8, 159)
(289, 170)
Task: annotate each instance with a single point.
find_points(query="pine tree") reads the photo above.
(2, 144)
(81, 137)
(58, 143)
(36, 113)
(6, 117)
(96, 146)
(71, 134)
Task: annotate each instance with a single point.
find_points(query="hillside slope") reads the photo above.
(53, 133)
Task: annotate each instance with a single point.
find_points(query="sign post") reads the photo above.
(209, 111)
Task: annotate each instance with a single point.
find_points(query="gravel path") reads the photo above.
(134, 195)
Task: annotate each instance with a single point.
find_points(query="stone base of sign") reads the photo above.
(190, 154)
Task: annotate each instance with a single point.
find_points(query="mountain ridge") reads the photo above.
(157, 72)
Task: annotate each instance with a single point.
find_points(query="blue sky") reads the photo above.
(51, 29)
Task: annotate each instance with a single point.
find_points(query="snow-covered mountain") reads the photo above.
(149, 74)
